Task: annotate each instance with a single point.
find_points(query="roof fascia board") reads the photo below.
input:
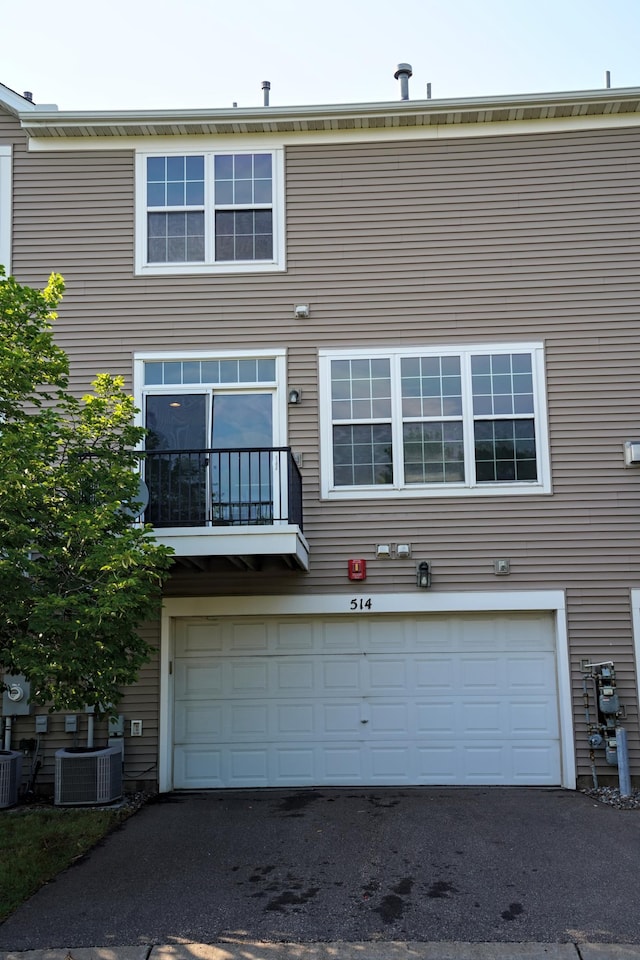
(38, 144)
(125, 118)
(35, 119)
(14, 102)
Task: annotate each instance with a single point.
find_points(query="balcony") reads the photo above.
(242, 504)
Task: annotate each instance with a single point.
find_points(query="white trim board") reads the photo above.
(5, 206)
(552, 601)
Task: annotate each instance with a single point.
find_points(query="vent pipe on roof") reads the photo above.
(428, 91)
(403, 72)
(607, 79)
(28, 96)
(266, 86)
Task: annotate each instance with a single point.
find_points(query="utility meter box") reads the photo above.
(15, 696)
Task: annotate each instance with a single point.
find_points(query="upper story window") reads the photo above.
(5, 207)
(210, 212)
(436, 422)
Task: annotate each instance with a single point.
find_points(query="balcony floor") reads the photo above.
(242, 546)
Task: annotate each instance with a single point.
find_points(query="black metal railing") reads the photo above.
(240, 487)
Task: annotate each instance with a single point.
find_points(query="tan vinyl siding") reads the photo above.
(495, 239)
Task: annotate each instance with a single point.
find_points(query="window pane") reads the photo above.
(263, 248)
(156, 168)
(505, 450)
(425, 378)
(223, 168)
(175, 194)
(156, 195)
(195, 168)
(502, 384)
(243, 166)
(237, 232)
(243, 192)
(175, 168)
(433, 452)
(224, 191)
(244, 248)
(266, 370)
(194, 196)
(152, 373)
(362, 455)
(191, 371)
(262, 191)
(262, 165)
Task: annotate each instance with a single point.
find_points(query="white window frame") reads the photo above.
(5, 207)
(209, 265)
(467, 488)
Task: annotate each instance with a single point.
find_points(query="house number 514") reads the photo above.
(359, 603)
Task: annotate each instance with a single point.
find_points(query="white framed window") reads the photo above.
(434, 421)
(5, 207)
(210, 211)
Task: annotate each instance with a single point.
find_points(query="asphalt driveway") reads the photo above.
(426, 864)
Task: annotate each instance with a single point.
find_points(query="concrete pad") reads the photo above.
(81, 953)
(368, 950)
(609, 951)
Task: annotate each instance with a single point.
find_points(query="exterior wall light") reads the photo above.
(295, 395)
(423, 575)
(301, 311)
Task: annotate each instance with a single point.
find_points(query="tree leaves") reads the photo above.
(77, 577)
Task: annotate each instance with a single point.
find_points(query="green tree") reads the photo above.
(77, 576)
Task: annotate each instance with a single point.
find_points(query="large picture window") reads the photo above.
(210, 212)
(434, 421)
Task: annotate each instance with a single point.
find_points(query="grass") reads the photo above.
(39, 842)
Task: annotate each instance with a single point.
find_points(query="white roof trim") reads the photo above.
(15, 102)
(592, 105)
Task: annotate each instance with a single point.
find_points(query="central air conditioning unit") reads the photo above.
(10, 776)
(86, 776)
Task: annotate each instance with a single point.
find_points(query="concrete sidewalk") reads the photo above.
(362, 950)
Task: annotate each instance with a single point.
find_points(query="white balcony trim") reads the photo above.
(267, 540)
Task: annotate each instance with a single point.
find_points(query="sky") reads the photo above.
(166, 54)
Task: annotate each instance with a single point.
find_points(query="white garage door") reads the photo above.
(438, 699)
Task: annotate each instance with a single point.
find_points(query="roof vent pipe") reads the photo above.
(266, 86)
(28, 96)
(428, 91)
(607, 80)
(403, 72)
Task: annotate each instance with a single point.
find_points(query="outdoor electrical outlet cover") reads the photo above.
(42, 723)
(136, 728)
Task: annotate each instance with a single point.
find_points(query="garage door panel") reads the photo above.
(341, 718)
(529, 673)
(295, 675)
(199, 722)
(342, 764)
(388, 719)
(435, 675)
(534, 717)
(339, 675)
(197, 678)
(390, 764)
(385, 675)
(295, 719)
(356, 701)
